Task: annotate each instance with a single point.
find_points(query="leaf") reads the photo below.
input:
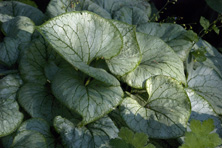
(204, 23)
(6, 141)
(19, 28)
(9, 86)
(11, 9)
(174, 35)
(129, 11)
(38, 101)
(199, 54)
(137, 140)
(28, 138)
(28, 2)
(91, 101)
(34, 65)
(158, 59)
(83, 37)
(202, 110)
(215, 5)
(166, 113)
(10, 117)
(9, 51)
(201, 135)
(41, 126)
(214, 58)
(208, 84)
(130, 55)
(216, 29)
(57, 7)
(96, 134)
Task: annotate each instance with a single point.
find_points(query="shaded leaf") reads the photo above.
(9, 86)
(10, 117)
(208, 84)
(166, 113)
(204, 23)
(96, 134)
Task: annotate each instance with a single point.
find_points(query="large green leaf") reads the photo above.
(213, 57)
(9, 86)
(19, 28)
(81, 37)
(174, 35)
(10, 9)
(166, 112)
(38, 101)
(9, 51)
(215, 4)
(10, 117)
(207, 83)
(91, 100)
(41, 126)
(29, 139)
(202, 110)
(130, 55)
(158, 59)
(36, 61)
(95, 135)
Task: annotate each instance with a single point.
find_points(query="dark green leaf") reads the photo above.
(215, 4)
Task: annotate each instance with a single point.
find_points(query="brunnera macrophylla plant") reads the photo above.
(74, 76)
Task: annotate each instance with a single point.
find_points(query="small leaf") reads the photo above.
(199, 54)
(216, 29)
(204, 23)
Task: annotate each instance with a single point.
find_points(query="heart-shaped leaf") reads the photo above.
(207, 83)
(166, 112)
(95, 135)
(81, 37)
(130, 55)
(92, 99)
(158, 59)
(10, 117)
(9, 86)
